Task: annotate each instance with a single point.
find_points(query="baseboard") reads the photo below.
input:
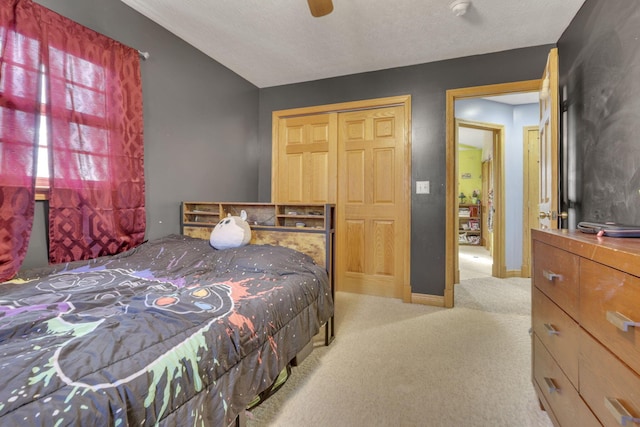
(513, 273)
(424, 299)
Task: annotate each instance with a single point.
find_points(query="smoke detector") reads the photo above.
(459, 7)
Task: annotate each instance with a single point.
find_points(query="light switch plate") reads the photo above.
(422, 187)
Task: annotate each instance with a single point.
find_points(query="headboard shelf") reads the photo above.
(316, 216)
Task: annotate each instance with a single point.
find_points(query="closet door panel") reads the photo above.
(371, 185)
(319, 177)
(355, 180)
(306, 166)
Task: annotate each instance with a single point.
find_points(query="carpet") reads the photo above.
(396, 364)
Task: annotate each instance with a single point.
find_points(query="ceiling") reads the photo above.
(469, 138)
(276, 42)
(515, 98)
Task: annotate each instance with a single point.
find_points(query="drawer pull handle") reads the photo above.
(551, 276)
(551, 385)
(619, 412)
(621, 321)
(550, 329)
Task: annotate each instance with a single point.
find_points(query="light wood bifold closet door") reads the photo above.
(307, 159)
(359, 159)
(370, 201)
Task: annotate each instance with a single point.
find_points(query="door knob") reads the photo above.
(544, 215)
(563, 215)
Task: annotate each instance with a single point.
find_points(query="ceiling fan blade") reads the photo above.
(320, 7)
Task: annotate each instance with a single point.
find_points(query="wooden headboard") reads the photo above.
(307, 228)
(312, 244)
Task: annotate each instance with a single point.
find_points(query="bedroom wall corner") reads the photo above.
(200, 120)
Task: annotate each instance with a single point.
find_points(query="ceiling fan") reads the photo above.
(320, 7)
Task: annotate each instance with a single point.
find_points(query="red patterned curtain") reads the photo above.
(19, 82)
(97, 200)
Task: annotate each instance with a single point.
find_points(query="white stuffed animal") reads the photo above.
(231, 232)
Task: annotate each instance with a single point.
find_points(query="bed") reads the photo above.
(172, 332)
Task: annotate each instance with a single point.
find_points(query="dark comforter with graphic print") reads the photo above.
(170, 333)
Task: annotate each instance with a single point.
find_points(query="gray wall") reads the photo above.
(427, 84)
(200, 121)
(600, 84)
(201, 139)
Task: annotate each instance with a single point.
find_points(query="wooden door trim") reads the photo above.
(528, 199)
(451, 241)
(498, 268)
(403, 100)
(344, 106)
(549, 113)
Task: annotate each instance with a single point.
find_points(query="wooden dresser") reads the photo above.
(586, 328)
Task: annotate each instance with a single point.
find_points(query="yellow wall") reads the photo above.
(470, 162)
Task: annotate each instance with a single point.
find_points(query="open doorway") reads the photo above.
(499, 268)
(477, 143)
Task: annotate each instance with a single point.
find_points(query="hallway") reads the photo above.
(474, 262)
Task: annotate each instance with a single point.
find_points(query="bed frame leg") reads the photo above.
(241, 420)
(329, 332)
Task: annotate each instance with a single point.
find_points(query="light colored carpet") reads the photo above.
(474, 261)
(395, 364)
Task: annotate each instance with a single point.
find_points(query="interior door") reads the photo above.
(548, 127)
(306, 166)
(530, 194)
(372, 204)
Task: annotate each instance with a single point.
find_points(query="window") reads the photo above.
(18, 95)
(19, 72)
(71, 122)
(81, 121)
(42, 159)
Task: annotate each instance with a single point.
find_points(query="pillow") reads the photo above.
(231, 232)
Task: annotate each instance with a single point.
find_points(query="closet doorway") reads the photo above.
(370, 141)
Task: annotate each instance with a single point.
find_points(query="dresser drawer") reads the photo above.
(556, 388)
(607, 296)
(558, 332)
(603, 377)
(555, 273)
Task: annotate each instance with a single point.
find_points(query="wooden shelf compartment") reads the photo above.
(302, 216)
(470, 224)
(260, 215)
(200, 213)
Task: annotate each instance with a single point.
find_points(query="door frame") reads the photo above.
(451, 241)
(531, 174)
(402, 100)
(498, 268)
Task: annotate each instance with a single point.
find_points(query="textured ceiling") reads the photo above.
(275, 42)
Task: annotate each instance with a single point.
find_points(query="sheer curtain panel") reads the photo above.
(97, 197)
(85, 90)
(19, 82)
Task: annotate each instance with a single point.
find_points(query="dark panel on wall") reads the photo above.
(200, 120)
(427, 84)
(599, 70)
